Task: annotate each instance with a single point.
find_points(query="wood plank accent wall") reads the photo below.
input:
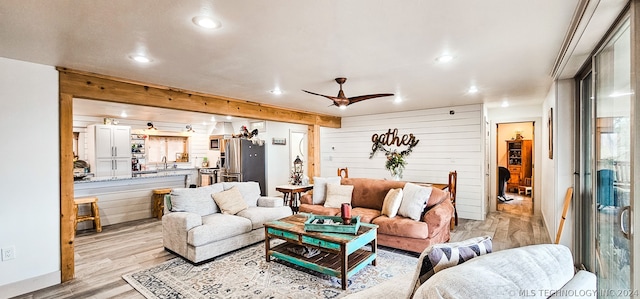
(447, 142)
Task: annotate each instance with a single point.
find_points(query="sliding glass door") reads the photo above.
(611, 128)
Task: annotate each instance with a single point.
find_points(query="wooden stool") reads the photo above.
(158, 202)
(95, 213)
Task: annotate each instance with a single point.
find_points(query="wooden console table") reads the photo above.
(292, 194)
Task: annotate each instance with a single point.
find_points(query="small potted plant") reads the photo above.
(205, 162)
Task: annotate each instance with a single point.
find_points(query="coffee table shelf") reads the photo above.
(325, 262)
(342, 255)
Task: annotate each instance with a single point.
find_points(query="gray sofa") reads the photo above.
(194, 228)
(536, 271)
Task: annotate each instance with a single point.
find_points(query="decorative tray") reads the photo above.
(317, 223)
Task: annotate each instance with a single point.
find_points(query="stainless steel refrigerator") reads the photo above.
(245, 162)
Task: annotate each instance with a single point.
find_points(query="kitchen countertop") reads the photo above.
(140, 175)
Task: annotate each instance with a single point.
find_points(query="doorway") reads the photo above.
(515, 161)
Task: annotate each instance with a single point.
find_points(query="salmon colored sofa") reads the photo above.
(397, 232)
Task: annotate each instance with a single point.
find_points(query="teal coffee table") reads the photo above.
(342, 255)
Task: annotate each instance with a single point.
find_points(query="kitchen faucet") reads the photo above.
(164, 160)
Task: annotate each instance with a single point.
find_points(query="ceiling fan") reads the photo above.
(342, 101)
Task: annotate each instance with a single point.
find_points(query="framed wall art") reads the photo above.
(279, 141)
(550, 125)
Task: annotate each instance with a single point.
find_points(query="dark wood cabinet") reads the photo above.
(518, 163)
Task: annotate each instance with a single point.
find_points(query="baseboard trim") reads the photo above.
(29, 285)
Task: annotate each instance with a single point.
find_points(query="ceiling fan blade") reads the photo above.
(317, 94)
(333, 99)
(369, 96)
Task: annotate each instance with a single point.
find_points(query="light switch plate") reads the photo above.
(8, 253)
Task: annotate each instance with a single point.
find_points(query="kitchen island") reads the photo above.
(126, 199)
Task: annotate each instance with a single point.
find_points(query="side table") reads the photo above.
(292, 194)
(157, 208)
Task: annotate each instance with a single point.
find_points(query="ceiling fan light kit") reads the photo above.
(342, 101)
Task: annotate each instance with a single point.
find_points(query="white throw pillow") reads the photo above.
(337, 195)
(392, 202)
(414, 200)
(320, 188)
(195, 200)
(250, 191)
(230, 201)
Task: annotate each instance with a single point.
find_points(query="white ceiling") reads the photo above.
(506, 48)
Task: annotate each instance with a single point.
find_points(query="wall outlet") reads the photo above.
(8, 253)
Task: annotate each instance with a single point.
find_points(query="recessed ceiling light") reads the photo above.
(228, 116)
(276, 91)
(473, 89)
(204, 123)
(141, 58)
(397, 100)
(213, 118)
(444, 58)
(206, 22)
(505, 103)
(123, 114)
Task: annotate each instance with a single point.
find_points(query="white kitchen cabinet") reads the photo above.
(109, 150)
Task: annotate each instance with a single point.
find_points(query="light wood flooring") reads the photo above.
(102, 258)
(520, 205)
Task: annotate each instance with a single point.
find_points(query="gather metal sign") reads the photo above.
(392, 137)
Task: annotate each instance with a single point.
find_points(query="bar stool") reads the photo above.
(95, 213)
(158, 202)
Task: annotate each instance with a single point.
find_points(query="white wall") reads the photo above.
(558, 172)
(510, 115)
(30, 217)
(447, 142)
(564, 128)
(278, 165)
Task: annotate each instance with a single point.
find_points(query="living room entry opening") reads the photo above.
(515, 179)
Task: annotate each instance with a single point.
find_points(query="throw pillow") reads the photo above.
(320, 188)
(230, 201)
(414, 200)
(392, 202)
(442, 256)
(250, 191)
(194, 200)
(337, 195)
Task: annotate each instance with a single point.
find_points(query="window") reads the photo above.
(171, 147)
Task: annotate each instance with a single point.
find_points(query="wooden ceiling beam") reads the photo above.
(105, 88)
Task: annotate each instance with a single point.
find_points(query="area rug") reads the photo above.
(246, 274)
